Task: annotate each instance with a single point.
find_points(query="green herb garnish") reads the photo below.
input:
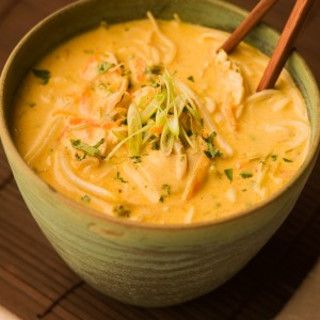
(274, 157)
(287, 160)
(211, 151)
(118, 177)
(92, 151)
(171, 113)
(136, 159)
(166, 189)
(246, 175)
(42, 74)
(229, 174)
(80, 157)
(155, 145)
(121, 211)
(105, 66)
(191, 78)
(155, 69)
(86, 198)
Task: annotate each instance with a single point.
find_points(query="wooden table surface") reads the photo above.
(36, 284)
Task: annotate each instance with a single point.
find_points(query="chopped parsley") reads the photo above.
(80, 157)
(229, 174)
(92, 151)
(136, 159)
(274, 157)
(105, 66)
(287, 160)
(155, 69)
(211, 151)
(121, 211)
(155, 84)
(86, 198)
(166, 189)
(246, 175)
(119, 177)
(155, 145)
(191, 78)
(42, 74)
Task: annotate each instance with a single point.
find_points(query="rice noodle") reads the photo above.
(42, 140)
(189, 216)
(262, 95)
(181, 161)
(80, 183)
(261, 176)
(280, 105)
(171, 49)
(66, 185)
(210, 104)
(301, 132)
(212, 36)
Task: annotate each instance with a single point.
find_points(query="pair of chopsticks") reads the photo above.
(285, 43)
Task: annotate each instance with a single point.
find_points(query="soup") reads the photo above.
(148, 121)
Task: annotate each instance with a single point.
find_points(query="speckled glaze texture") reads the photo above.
(140, 264)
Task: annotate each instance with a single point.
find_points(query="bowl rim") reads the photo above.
(10, 148)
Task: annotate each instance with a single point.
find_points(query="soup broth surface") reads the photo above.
(147, 121)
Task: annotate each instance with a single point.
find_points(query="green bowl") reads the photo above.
(142, 264)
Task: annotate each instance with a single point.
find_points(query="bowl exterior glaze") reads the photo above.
(136, 264)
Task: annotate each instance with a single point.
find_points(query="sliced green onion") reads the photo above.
(134, 125)
(161, 118)
(229, 174)
(104, 67)
(187, 138)
(166, 141)
(120, 144)
(173, 124)
(92, 151)
(152, 107)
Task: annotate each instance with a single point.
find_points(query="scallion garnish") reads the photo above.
(229, 174)
(86, 198)
(119, 177)
(211, 152)
(105, 66)
(134, 126)
(121, 211)
(92, 151)
(42, 74)
(246, 175)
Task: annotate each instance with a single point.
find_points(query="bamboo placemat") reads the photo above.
(35, 283)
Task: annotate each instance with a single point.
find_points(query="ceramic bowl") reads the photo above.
(136, 263)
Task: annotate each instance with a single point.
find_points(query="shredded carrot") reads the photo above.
(112, 124)
(156, 130)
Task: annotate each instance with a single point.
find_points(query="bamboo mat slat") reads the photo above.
(36, 284)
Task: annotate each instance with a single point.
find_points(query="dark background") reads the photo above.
(34, 281)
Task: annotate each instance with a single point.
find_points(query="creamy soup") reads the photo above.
(149, 121)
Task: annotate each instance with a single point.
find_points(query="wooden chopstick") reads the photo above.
(254, 17)
(285, 44)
